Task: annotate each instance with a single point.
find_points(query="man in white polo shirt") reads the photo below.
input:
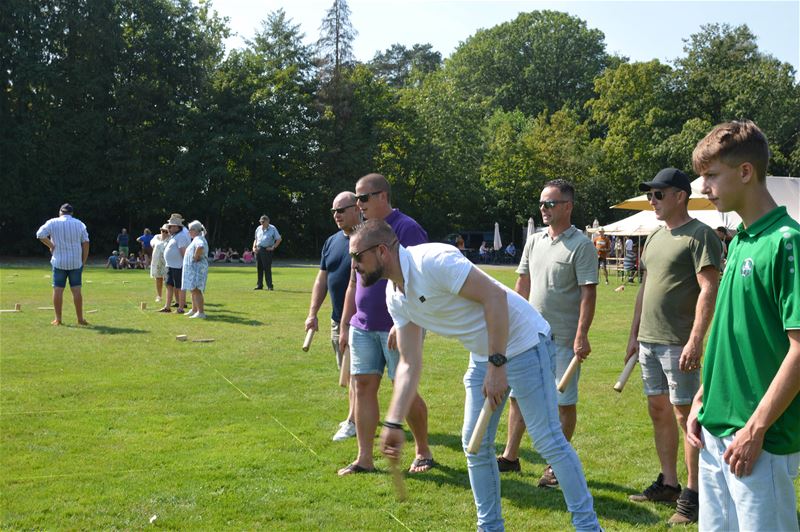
(432, 286)
(68, 241)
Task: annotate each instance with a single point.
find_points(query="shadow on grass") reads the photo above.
(522, 492)
(105, 329)
(228, 317)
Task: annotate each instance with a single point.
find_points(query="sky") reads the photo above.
(640, 30)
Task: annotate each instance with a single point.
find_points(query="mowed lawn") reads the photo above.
(119, 426)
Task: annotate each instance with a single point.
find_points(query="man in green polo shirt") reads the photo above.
(681, 263)
(558, 277)
(746, 416)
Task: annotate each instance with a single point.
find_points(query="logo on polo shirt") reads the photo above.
(747, 267)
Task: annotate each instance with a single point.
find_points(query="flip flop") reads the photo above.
(353, 469)
(426, 463)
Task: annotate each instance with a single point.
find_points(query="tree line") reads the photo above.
(131, 110)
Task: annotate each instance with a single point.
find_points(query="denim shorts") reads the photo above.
(369, 353)
(763, 500)
(60, 277)
(174, 276)
(662, 375)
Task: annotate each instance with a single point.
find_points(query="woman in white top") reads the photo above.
(195, 269)
(158, 265)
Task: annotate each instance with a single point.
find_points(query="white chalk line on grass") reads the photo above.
(399, 521)
(292, 434)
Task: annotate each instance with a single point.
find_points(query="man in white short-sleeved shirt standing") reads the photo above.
(68, 241)
(173, 255)
(432, 286)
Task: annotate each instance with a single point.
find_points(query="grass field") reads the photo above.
(119, 426)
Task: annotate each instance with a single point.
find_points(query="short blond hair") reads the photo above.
(733, 143)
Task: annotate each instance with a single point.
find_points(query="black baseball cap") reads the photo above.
(66, 208)
(668, 177)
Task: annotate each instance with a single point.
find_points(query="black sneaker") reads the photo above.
(658, 492)
(505, 465)
(687, 509)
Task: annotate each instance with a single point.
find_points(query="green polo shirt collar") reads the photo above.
(763, 223)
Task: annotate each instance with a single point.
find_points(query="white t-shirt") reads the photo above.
(434, 275)
(172, 253)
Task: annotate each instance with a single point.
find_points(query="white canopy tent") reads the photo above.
(785, 191)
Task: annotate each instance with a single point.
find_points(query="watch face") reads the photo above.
(497, 359)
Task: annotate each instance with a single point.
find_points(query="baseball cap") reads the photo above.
(668, 177)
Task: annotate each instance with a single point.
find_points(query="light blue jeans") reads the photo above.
(530, 375)
(763, 500)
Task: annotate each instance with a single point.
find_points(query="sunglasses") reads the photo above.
(363, 198)
(341, 210)
(358, 255)
(657, 194)
(549, 204)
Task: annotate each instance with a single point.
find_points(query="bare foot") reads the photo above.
(55, 322)
(83, 322)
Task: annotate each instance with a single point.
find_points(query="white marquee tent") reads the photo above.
(785, 190)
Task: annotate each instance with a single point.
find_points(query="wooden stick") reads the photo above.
(480, 427)
(398, 481)
(203, 340)
(309, 337)
(46, 308)
(9, 310)
(626, 372)
(344, 371)
(571, 369)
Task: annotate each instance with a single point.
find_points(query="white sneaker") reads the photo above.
(190, 314)
(347, 429)
(200, 315)
(158, 299)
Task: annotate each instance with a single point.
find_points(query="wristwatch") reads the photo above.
(498, 359)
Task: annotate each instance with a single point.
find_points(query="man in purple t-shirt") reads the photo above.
(366, 327)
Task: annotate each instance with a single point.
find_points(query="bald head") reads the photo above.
(345, 211)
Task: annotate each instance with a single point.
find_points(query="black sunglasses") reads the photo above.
(357, 255)
(363, 198)
(341, 210)
(657, 194)
(549, 204)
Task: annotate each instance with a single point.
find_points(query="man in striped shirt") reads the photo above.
(68, 242)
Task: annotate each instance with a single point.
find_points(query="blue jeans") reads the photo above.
(530, 376)
(763, 500)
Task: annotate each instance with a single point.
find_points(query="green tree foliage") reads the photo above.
(131, 110)
(540, 61)
(400, 66)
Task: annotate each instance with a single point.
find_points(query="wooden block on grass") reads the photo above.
(181, 338)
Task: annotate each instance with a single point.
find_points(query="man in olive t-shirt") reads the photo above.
(674, 307)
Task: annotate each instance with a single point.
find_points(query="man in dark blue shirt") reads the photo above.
(333, 277)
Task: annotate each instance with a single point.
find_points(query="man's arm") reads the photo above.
(748, 443)
(694, 433)
(523, 285)
(277, 243)
(708, 279)
(581, 345)
(633, 342)
(406, 381)
(348, 310)
(480, 288)
(84, 252)
(49, 243)
(318, 294)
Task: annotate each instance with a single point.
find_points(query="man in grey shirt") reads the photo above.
(558, 276)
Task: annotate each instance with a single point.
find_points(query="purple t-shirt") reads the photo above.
(371, 313)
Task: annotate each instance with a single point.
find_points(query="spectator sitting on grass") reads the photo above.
(247, 257)
(113, 260)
